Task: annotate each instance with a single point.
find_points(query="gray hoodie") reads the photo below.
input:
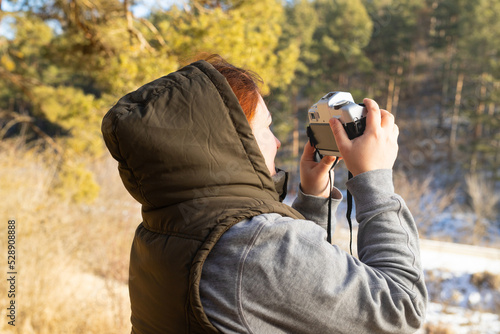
(272, 274)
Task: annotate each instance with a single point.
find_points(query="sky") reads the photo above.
(141, 9)
(143, 6)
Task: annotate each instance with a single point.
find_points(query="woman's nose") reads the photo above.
(278, 143)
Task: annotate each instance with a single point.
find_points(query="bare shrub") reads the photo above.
(483, 201)
(433, 281)
(486, 280)
(424, 202)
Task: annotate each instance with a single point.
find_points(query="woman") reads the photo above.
(218, 252)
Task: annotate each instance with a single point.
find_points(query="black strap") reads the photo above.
(329, 225)
(317, 157)
(348, 213)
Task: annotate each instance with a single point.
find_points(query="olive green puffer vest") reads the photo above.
(186, 152)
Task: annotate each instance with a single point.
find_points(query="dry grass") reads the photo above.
(486, 280)
(437, 329)
(72, 259)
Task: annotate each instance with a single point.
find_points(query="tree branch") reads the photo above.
(17, 118)
(132, 30)
(155, 31)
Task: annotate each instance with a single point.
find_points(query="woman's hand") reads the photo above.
(314, 175)
(376, 148)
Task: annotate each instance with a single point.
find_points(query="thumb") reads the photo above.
(325, 164)
(308, 153)
(339, 133)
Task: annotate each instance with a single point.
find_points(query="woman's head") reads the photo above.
(245, 85)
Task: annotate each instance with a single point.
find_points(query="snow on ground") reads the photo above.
(463, 284)
(462, 289)
(459, 258)
(459, 290)
(458, 320)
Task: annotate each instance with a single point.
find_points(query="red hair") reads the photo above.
(244, 83)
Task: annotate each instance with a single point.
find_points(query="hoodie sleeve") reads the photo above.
(322, 289)
(315, 208)
(290, 280)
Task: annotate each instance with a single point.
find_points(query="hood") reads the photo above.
(184, 137)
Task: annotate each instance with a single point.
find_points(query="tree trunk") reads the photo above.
(295, 172)
(496, 171)
(456, 109)
(295, 134)
(344, 82)
(478, 127)
(411, 71)
(491, 109)
(133, 32)
(432, 25)
(397, 89)
(446, 84)
(496, 143)
(447, 71)
(390, 93)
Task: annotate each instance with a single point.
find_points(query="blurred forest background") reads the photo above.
(63, 63)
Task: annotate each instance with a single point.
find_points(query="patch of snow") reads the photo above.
(459, 320)
(459, 258)
(458, 290)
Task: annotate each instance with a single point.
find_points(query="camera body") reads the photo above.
(340, 105)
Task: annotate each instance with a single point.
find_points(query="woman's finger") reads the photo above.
(373, 116)
(387, 119)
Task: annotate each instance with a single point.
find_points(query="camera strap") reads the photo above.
(329, 225)
(317, 157)
(348, 213)
(330, 183)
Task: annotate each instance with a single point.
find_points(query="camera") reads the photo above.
(340, 105)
